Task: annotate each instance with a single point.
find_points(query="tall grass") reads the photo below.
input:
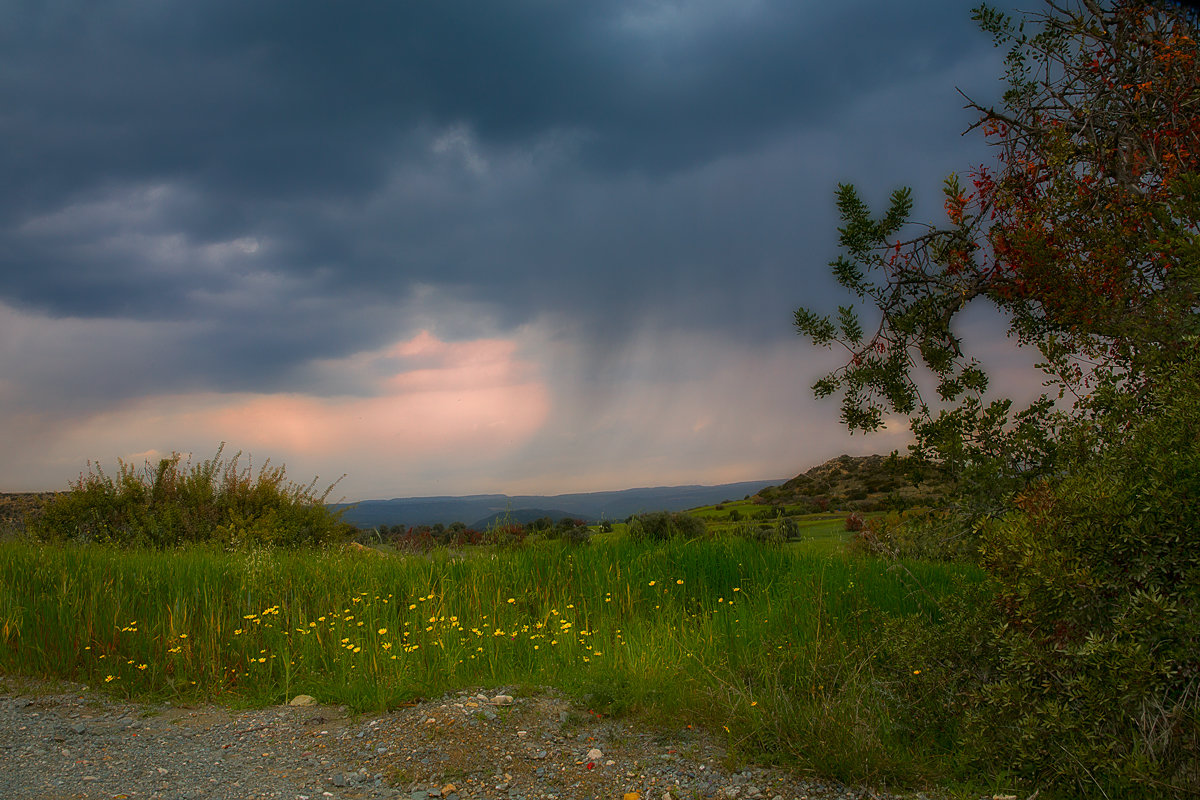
(173, 503)
(771, 644)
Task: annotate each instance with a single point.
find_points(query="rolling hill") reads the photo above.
(854, 481)
(590, 506)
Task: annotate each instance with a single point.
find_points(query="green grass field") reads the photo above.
(772, 644)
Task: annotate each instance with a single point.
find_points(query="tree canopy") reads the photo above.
(1083, 232)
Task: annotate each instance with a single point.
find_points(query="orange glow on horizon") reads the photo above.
(476, 395)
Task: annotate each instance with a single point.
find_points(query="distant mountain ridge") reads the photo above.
(589, 506)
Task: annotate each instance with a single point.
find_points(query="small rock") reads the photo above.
(502, 700)
(632, 796)
(522, 734)
(338, 779)
(594, 754)
(449, 788)
(79, 727)
(302, 700)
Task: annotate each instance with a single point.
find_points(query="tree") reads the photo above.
(1075, 664)
(1084, 234)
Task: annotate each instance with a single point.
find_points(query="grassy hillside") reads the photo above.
(855, 482)
(15, 506)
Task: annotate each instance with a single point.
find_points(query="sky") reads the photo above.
(454, 247)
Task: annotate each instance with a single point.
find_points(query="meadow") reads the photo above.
(777, 646)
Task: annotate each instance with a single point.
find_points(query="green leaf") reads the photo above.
(848, 322)
(816, 327)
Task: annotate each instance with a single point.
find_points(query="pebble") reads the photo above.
(297, 751)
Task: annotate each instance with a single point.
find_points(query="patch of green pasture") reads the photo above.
(743, 507)
(822, 534)
(818, 533)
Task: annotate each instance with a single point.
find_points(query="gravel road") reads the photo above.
(61, 741)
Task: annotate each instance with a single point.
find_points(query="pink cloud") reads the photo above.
(476, 400)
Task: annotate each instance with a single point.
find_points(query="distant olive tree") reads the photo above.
(662, 525)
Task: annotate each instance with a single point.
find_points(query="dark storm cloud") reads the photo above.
(279, 173)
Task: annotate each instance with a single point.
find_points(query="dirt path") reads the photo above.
(62, 741)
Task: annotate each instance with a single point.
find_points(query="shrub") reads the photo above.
(769, 535)
(918, 533)
(509, 534)
(461, 537)
(418, 539)
(659, 526)
(787, 528)
(854, 521)
(169, 504)
(1099, 601)
(1077, 668)
(577, 532)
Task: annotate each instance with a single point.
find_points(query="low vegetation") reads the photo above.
(776, 647)
(170, 503)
